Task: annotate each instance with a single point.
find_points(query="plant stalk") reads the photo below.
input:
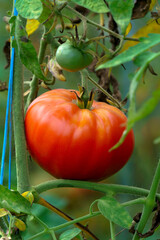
(94, 214)
(101, 187)
(23, 183)
(112, 229)
(149, 204)
(35, 81)
(84, 80)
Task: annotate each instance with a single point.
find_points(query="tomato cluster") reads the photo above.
(73, 143)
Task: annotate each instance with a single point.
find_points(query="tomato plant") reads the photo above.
(73, 143)
(70, 135)
(73, 58)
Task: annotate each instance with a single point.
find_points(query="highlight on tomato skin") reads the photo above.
(73, 143)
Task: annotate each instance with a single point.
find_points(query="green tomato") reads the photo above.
(72, 58)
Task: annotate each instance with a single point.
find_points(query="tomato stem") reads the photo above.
(149, 203)
(84, 80)
(23, 183)
(115, 101)
(35, 81)
(100, 187)
(112, 229)
(85, 100)
(53, 235)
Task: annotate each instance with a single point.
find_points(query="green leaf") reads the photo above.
(12, 25)
(70, 234)
(13, 201)
(141, 58)
(147, 107)
(132, 52)
(26, 50)
(45, 15)
(12, 19)
(29, 9)
(121, 12)
(93, 5)
(114, 211)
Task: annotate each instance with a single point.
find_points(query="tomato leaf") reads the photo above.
(94, 6)
(114, 211)
(149, 27)
(70, 234)
(13, 201)
(148, 106)
(140, 60)
(20, 224)
(12, 25)
(45, 15)
(3, 212)
(29, 9)
(132, 52)
(26, 50)
(31, 26)
(121, 12)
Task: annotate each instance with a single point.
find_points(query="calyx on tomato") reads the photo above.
(74, 143)
(84, 100)
(72, 56)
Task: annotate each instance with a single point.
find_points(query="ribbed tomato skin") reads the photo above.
(73, 143)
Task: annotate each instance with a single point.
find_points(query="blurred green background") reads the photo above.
(139, 170)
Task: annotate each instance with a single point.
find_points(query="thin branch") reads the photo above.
(95, 24)
(54, 209)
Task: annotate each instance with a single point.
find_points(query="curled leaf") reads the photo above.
(128, 29)
(3, 212)
(152, 70)
(29, 196)
(20, 224)
(56, 70)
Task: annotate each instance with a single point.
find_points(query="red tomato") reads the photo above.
(73, 143)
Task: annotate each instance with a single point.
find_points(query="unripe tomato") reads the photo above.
(72, 58)
(73, 143)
